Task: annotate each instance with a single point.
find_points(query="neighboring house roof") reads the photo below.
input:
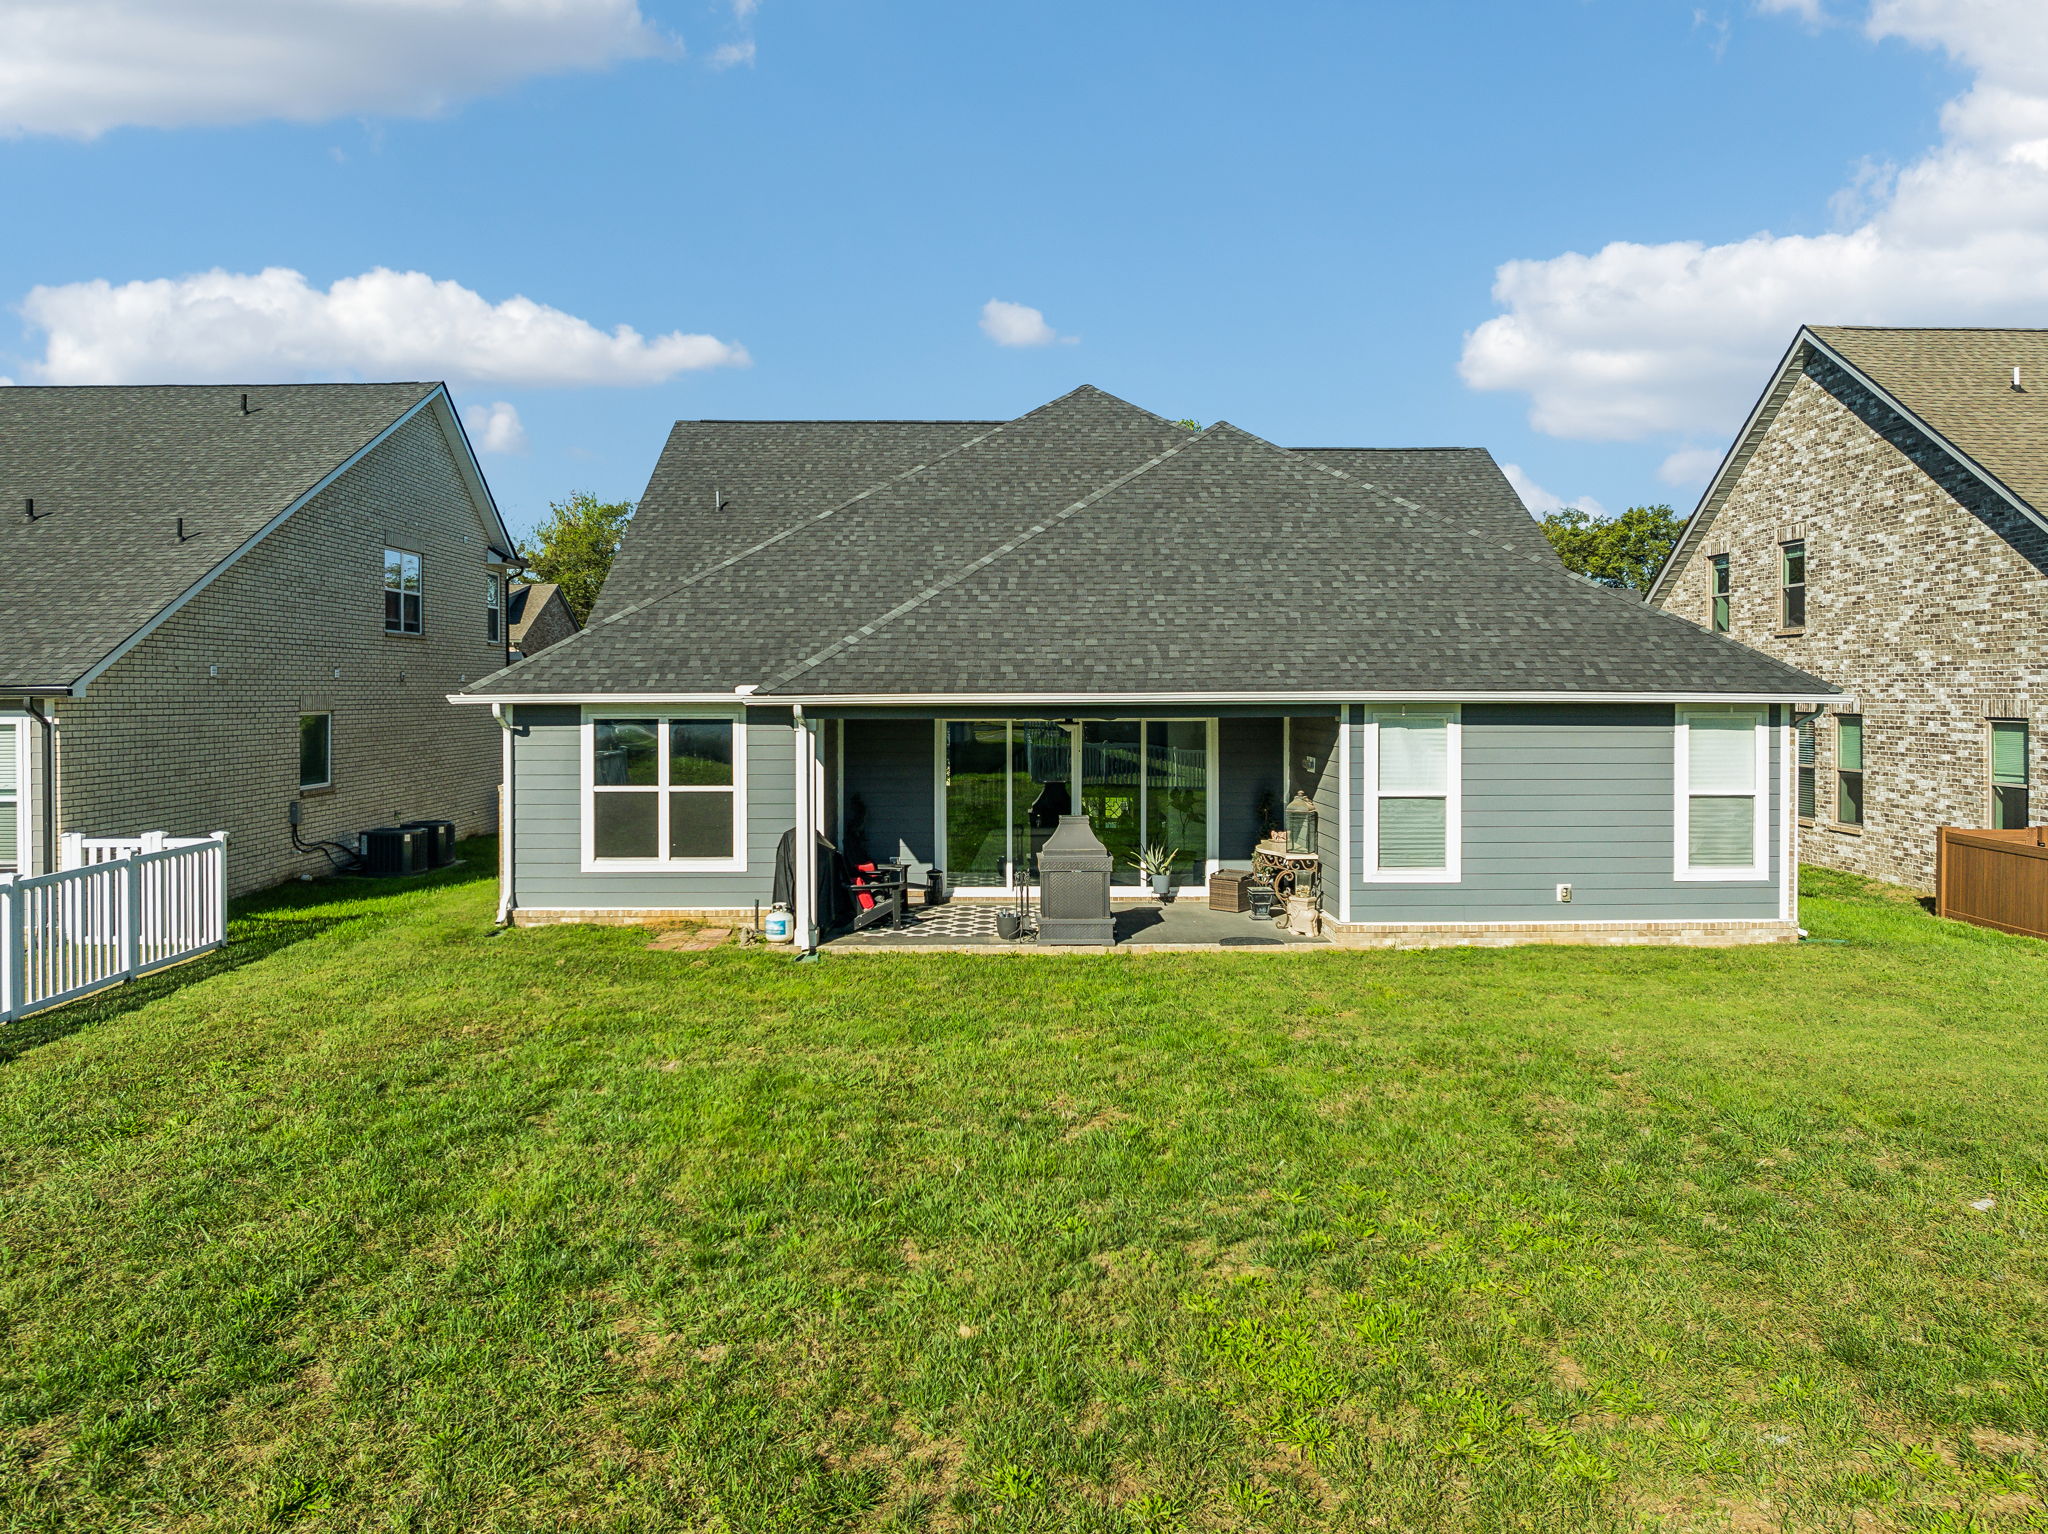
(1959, 382)
(526, 601)
(112, 470)
(1955, 385)
(1091, 548)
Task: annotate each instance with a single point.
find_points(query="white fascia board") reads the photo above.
(169, 611)
(1093, 700)
(636, 699)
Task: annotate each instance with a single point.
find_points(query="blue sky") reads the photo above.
(1291, 218)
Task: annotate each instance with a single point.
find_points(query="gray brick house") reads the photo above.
(1882, 521)
(926, 639)
(218, 603)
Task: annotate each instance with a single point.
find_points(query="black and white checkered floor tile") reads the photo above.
(957, 921)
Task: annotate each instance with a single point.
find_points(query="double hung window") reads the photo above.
(1717, 567)
(2010, 810)
(1722, 754)
(1412, 778)
(664, 791)
(1849, 769)
(1792, 584)
(402, 614)
(494, 607)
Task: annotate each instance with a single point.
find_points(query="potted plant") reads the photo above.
(1156, 864)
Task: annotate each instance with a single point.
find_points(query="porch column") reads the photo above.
(806, 766)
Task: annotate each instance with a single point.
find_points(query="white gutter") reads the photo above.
(506, 821)
(1402, 695)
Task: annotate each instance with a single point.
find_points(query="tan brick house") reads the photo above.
(538, 615)
(1882, 521)
(220, 606)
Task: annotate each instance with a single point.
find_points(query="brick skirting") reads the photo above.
(1682, 934)
(630, 916)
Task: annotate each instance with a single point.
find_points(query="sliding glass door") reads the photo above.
(1007, 782)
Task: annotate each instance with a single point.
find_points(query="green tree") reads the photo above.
(574, 547)
(1625, 551)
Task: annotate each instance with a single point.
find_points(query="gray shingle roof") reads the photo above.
(1460, 482)
(766, 476)
(1090, 547)
(111, 470)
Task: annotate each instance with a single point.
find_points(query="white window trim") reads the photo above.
(1760, 791)
(328, 715)
(587, 792)
(24, 822)
(1453, 871)
(494, 605)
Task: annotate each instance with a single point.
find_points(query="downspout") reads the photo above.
(506, 820)
(48, 774)
(806, 860)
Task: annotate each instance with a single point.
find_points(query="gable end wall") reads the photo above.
(1925, 601)
(160, 743)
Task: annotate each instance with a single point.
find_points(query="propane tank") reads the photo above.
(781, 926)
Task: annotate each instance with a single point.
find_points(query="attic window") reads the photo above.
(402, 592)
(1718, 565)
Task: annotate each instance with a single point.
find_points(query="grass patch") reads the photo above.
(384, 1221)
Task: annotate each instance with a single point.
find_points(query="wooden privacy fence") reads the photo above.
(1993, 878)
(70, 933)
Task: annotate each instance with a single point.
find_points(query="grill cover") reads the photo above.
(1073, 886)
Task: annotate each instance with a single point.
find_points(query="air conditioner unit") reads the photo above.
(388, 851)
(440, 839)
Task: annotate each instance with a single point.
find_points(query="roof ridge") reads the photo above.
(1638, 601)
(1001, 551)
(794, 528)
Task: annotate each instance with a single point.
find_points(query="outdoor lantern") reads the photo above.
(1301, 823)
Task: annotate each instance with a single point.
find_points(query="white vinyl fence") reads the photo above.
(118, 909)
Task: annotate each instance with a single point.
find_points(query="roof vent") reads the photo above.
(29, 505)
(2017, 386)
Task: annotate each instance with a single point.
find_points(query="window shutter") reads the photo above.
(10, 794)
(1411, 833)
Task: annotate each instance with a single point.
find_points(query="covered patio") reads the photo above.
(1141, 927)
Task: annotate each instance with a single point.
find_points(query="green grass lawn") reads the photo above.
(387, 1222)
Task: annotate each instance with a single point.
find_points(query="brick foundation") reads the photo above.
(1606, 934)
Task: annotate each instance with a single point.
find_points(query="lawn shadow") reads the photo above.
(248, 941)
(259, 925)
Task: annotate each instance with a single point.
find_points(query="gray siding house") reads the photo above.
(925, 638)
(218, 605)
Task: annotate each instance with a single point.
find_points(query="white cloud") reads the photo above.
(275, 326)
(1009, 324)
(1636, 340)
(729, 54)
(82, 67)
(1690, 466)
(1541, 502)
(495, 428)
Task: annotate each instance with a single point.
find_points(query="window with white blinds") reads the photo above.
(1412, 777)
(11, 786)
(1722, 761)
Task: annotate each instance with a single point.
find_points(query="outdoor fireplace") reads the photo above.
(1073, 886)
